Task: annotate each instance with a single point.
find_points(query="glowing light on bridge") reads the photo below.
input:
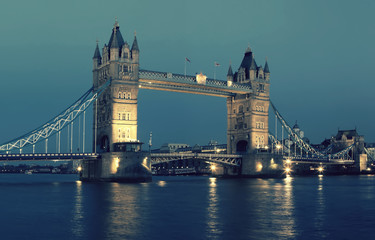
(259, 167)
(288, 170)
(115, 165)
(79, 168)
(201, 79)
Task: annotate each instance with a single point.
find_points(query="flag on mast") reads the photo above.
(217, 64)
(187, 59)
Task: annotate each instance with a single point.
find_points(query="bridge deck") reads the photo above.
(48, 156)
(188, 84)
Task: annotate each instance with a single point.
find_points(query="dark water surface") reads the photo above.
(61, 207)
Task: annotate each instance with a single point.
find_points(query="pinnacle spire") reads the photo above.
(266, 69)
(248, 49)
(230, 72)
(97, 52)
(135, 43)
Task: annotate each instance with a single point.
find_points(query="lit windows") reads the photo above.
(259, 108)
(259, 125)
(123, 134)
(125, 95)
(124, 116)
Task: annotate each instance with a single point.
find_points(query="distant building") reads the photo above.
(172, 147)
(298, 131)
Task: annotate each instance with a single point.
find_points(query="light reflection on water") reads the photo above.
(78, 214)
(189, 208)
(213, 222)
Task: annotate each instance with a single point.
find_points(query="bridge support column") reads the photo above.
(118, 167)
(262, 165)
(225, 171)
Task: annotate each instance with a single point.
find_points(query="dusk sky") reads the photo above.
(321, 56)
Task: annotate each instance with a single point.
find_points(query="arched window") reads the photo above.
(129, 95)
(119, 94)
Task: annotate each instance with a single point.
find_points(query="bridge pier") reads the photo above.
(262, 165)
(118, 167)
(225, 171)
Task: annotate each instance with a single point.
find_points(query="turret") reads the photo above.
(266, 71)
(135, 55)
(97, 59)
(230, 76)
(135, 49)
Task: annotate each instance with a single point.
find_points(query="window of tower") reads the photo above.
(120, 95)
(261, 87)
(128, 133)
(129, 95)
(125, 69)
(240, 109)
(126, 55)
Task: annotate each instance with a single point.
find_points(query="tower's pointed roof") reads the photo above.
(135, 43)
(266, 69)
(248, 61)
(230, 72)
(116, 40)
(97, 52)
(296, 126)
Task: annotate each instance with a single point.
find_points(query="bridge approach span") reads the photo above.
(224, 159)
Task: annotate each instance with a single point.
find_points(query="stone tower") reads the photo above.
(248, 113)
(115, 115)
(116, 110)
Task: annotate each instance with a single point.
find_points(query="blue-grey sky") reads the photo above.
(320, 53)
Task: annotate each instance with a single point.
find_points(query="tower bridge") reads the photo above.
(116, 153)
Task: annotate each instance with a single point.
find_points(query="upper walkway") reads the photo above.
(189, 84)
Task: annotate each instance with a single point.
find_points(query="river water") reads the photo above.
(187, 207)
